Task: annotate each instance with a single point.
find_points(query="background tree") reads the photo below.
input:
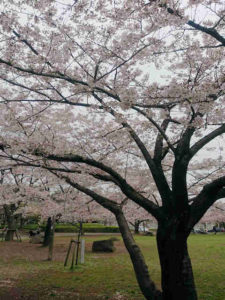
(107, 57)
(24, 193)
(215, 215)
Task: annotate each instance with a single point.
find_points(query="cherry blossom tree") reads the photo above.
(215, 215)
(21, 195)
(101, 93)
(137, 216)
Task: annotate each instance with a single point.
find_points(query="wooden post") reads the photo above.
(76, 249)
(68, 253)
(18, 235)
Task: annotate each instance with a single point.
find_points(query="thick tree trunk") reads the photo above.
(11, 222)
(146, 285)
(9, 235)
(176, 270)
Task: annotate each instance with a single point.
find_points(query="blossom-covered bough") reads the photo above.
(107, 93)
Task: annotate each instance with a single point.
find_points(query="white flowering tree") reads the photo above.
(215, 215)
(23, 193)
(98, 91)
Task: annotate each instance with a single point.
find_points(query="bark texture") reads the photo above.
(146, 285)
(176, 270)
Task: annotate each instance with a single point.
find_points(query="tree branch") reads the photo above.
(158, 176)
(210, 31)
(159, 142)
(103, 201)
(54, 75)
(127, 189)
(210, 193)
(160, 129)
(206, 139)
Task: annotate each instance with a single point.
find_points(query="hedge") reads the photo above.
(102, 229)
(33, 227)
(87, 227)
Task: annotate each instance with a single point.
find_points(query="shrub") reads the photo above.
(31, 227)
(66, 228)
(101, 229)
(87, 227)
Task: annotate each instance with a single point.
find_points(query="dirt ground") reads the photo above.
(11, 253)
(35, 252)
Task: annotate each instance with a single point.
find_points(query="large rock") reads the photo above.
(103, 246)
(37, 239)
(149, 233)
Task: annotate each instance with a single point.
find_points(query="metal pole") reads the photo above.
(78, 242)
(82, 251)
(72, 264)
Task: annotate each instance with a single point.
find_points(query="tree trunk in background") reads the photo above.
(11, 222)
(136, 226)
(47, 237)
(9, 235)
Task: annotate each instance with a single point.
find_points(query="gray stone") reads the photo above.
(149, 233)
(103, 246)
(37, 239)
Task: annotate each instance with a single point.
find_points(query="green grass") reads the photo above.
(104, 275)
(208, 260)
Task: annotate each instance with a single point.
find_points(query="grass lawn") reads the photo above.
(25, 273)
